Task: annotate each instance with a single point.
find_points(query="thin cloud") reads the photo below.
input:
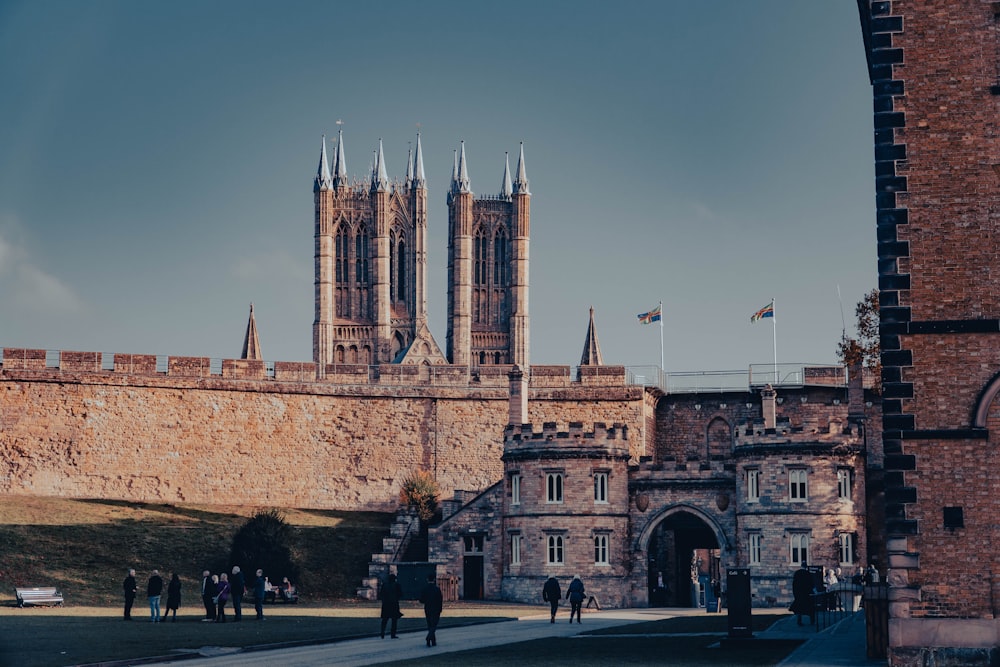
(24, 284)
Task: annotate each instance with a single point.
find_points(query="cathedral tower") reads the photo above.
(488, 269)
(370, 262)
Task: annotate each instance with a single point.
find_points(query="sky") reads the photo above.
(157, 164)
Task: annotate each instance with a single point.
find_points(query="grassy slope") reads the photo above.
(84, 546)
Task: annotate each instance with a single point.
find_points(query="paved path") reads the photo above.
(837, 646)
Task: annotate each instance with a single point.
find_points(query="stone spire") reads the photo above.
(251, 342)
(323, 180)
(380, 181)
(418, 165)
(409, 166)
(463, 173)
(339, 164)
(521, 184)
(454, 173)
(591, 348)
(506, 189)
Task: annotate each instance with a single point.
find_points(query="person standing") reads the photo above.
(129, 588)
(207, 593)
(259, 591)
(154, 589)
(390, 593)
(802, 589)
(221, 596)
(238, 585)
(433, 603)
(576, 595)
(173, 596)
(552, 594)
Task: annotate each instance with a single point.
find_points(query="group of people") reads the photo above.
(217, 590)
(431, 597)
(806, 586)
(576, 594)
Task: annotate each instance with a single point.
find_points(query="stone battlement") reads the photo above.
(522, 433)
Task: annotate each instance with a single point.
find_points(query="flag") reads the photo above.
(766, 311)
(651, 316)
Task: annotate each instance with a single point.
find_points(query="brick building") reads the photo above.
(935, 74)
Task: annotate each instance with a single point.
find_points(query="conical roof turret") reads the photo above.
(339, 163)
(323, 180)
(506, 189)
(418, 165)
(463, 172)
(251, 342)
(380, 181)
(591, 348)
(521, 184)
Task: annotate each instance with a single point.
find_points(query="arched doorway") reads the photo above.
(683, 560)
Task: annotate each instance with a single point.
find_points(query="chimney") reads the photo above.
(767, 396)
(518, 409)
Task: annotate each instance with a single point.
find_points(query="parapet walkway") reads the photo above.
(837, 646)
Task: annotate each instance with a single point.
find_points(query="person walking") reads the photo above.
(173, 597)
(237, 586)
(259, 591)
(207, 593)
(390, 593)
(552, 594)
(221, 596)
(154, 589)
(433, 603)
(129, 588)
(576, 595)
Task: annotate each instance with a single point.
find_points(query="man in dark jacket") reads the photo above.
(433, 603)
(154, 589)
(238, 585)
(390, 593)
(259, 591)
(129, 587)
(207, 593)
(552, 594)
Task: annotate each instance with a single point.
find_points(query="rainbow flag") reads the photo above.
(651, 316)
(766, 311)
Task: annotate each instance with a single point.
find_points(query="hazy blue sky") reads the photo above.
(156, 166)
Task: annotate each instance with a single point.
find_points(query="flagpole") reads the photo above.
(774, 335)
(662, 369)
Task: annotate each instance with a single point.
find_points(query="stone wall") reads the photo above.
(188, 435)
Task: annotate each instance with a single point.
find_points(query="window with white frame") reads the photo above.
(753, 548)
(515, 549)
(600, 487)
(797, 485)
(515, 489)
(753, 485)
(555, 550)
(553, 487)
(845, 483)
(798, 548)
(601, 549)
(846, 548)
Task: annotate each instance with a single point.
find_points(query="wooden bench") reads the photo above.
(41, 595)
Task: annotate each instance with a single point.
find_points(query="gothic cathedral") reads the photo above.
(371, 267)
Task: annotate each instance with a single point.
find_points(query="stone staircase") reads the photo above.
(405, 528)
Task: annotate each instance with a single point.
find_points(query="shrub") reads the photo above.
(265, 542)
(421, 491)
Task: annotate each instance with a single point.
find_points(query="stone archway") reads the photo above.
(682, 547)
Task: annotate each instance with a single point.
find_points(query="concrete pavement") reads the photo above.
(838, 646)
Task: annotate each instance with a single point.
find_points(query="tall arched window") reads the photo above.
(500, 259)
(401, 270)
(361, 257)
(481, 257)
(342, 246)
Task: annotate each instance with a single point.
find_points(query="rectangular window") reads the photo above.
(847, 548)
(515, 489)
(600, 487)
(797, 489)
(601, 550)
(554, 487)
(753, 548)
(555, 550)
(753, 485)
(798, 548)
(845, 483)
(515, 549)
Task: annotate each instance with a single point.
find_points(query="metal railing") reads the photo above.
(757, 375)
